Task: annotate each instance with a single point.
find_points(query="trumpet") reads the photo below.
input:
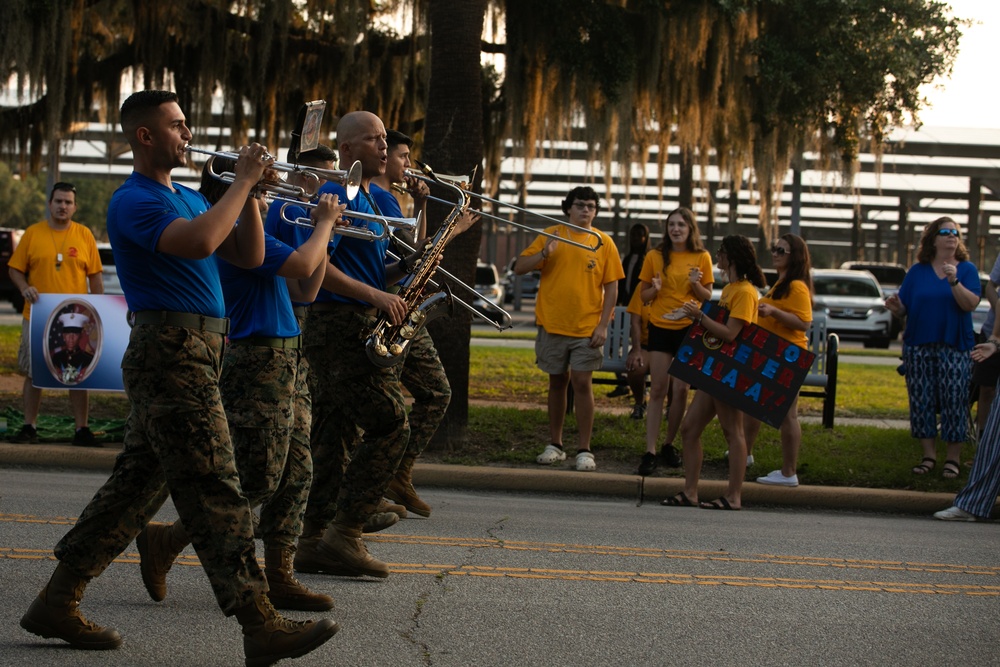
(463, 183)
(364, 233)
(314, 177)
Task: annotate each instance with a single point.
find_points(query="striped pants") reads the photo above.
(937, 381)
(980, 492)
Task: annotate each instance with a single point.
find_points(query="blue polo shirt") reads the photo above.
(358, 258)
(257, 301)
(138, 213)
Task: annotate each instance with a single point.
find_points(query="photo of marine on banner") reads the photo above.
(759, 372)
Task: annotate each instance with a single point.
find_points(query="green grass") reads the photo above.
(847, 456)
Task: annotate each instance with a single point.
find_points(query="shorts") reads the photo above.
(556, 354)
(986, 373)
(24, 349)
(666, 340)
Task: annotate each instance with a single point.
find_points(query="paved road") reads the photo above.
(499, 578)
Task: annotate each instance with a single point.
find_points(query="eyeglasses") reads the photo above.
(945, 231)
(585, 206)
(778, 250)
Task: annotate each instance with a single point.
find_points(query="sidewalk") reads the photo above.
(558, 481)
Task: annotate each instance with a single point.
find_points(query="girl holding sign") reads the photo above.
(786, 310)
(738, 259)
(679, 270)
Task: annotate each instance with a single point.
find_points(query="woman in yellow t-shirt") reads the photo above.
(679, 270)
(787, 311)
(738, 259)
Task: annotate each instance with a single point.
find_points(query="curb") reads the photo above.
(568, 482)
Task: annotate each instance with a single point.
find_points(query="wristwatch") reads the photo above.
(953, 282)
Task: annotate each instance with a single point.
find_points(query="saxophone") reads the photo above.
(387, 343)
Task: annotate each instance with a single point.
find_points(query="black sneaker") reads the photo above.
(620, 390)
(670, 457)
(84, 438)
(638, 411)
(647, 465)
(27, 435)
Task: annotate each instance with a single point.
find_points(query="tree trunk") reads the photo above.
(453, 144)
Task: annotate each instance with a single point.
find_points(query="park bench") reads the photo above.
(821, 382)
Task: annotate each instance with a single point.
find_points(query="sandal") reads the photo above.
(679, 500)
(951, 469)
(719, 503)
(924, 468)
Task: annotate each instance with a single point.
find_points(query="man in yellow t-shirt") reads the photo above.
(576, 298)
(55, 256)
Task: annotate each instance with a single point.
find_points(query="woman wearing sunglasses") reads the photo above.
(937, 297)
(786, 310)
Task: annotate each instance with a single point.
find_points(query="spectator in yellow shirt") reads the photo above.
(679, 270)
(576, 298)
(739, 298)
(55, 256)
(787, 311)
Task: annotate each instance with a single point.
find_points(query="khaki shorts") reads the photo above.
(24, 349)
(555, 354)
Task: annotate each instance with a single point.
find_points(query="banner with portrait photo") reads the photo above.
(759, 372)
(78, 341)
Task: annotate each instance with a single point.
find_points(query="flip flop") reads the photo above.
(679, 500)
(923, 468)
(719, 503)
(951, 469)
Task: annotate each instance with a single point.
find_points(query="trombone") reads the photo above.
(503, 320)
(462, 182)
(350, 179)
(363, 233)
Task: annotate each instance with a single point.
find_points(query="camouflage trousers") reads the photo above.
(359, 425)
(424, 378)
(258, 385)
(176, 440)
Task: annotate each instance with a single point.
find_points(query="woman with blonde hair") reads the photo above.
(679, 270)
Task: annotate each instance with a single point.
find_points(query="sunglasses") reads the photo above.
(947, 232)
(778, 250)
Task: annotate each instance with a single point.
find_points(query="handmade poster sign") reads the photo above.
(759, 372)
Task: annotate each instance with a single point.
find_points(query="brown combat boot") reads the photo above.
(56, 613)
(343, 548)
(380, 521)
(386, 505)
(287, 592)
(401, 490)
(308, 558)
(269, 637)
(159, 545)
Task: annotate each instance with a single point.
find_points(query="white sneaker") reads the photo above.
(585, 462)
(775, 478)
(551, 454)
(954, 514)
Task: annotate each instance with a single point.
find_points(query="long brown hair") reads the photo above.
(740, 253)
(799, 267)
(693, 243)
(927, 250)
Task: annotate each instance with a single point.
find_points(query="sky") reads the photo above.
(971, 98)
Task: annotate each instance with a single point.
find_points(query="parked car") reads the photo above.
(529, 283)
(488, 285)
(889, 276)
(854, 304)
(110, 272)
(8, 241)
